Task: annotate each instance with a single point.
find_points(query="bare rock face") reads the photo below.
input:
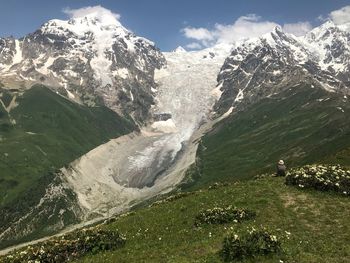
(261, 67)
(87, 59)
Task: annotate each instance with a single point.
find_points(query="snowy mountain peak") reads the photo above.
(261, 67)
(96, 15)
(327, 30)
(90, 58)
(323, 30)
(82, 26)
(179, 49)
(277, 30)
(330, 44)
(90, 19)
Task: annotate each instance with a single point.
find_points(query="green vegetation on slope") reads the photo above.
(313, 226)
(44, 132)
(301, 125)
(50, 132)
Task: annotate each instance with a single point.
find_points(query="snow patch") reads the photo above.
(18, 55)
(122, 72)
(131, 96)
(45, 68)
(240, 96)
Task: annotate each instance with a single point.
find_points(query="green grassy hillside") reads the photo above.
(49, 132)
(44, 132)
(312, 226)
(301, 125)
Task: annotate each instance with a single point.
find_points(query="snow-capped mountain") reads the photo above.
(90, 59)
(330, 44)
(263, 66)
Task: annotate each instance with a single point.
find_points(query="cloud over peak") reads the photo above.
(340, 16)
(104, 15)
(244, 27)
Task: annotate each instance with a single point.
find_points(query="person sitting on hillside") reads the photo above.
(281, 168)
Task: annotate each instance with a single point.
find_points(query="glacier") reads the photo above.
(127, 170)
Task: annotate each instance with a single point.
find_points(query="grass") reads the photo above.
(317, 222)
(294, 126)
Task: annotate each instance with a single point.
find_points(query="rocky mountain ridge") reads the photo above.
(260, 67)
(89, 59)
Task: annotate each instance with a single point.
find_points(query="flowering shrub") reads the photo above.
(68, 247)
(220, 215)
(321, 177)
(249, 244)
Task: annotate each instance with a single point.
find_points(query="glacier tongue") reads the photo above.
(184, 93)
(133, 168)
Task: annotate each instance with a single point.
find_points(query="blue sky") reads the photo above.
(177, 22)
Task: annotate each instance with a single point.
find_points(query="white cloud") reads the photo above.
(340, 16)
(198, 33)
(104, 15)
(194, 45)
(244, 27)
(297, 29)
